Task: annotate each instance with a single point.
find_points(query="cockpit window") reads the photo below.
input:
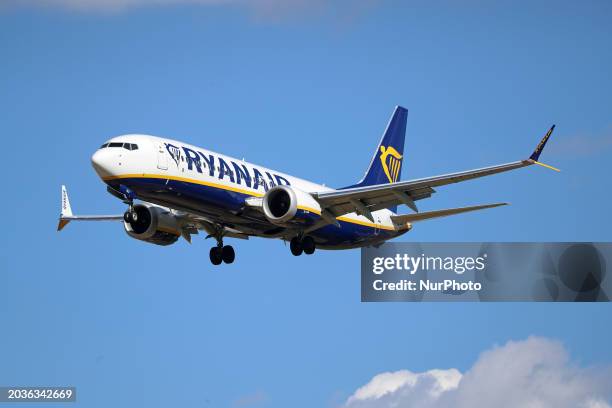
(128, 146)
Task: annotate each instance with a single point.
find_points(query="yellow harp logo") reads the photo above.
(391, 162)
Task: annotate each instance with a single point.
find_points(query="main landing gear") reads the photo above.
(222, 253)
(302, 244)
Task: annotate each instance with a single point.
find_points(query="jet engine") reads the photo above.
(152, 224)
(280, 203)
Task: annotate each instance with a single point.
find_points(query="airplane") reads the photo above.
(173, 189)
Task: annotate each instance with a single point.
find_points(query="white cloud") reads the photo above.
(259, 7)
(581, 144)
(534, 373)
(596, 404)
(438, 381)
(345, 12)
(258, 398)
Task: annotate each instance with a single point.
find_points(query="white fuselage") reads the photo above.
(182, 176)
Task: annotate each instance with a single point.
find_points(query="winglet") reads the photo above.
(536, 153)
(66, 210)
(538, 150)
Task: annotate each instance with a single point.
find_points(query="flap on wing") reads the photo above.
(372, 201)
(404, 192)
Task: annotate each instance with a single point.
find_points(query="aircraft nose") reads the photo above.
(101, 161)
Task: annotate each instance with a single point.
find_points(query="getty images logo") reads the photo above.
(414, 264)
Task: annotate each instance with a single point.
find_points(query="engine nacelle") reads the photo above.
(280, 204)
(154, 225)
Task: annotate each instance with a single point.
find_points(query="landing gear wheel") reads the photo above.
(308, 245)
(227, 254)
(216, 255)
(296, 246)
(130, 216)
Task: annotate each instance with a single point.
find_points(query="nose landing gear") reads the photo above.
(302, 244)
(127, 196)
(130, 215)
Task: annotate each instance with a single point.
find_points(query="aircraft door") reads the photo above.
(162, 157)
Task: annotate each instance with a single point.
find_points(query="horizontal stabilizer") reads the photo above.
(66, 214)
(410, 218)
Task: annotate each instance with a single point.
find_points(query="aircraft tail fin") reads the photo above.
(386, 164)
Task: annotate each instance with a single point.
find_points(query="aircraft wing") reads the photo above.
(364, 200)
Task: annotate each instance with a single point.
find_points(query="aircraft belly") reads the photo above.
(227, 207)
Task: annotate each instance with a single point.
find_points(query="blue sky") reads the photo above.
(306, 90)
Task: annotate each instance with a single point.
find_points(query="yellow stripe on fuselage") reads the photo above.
(238, 190)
